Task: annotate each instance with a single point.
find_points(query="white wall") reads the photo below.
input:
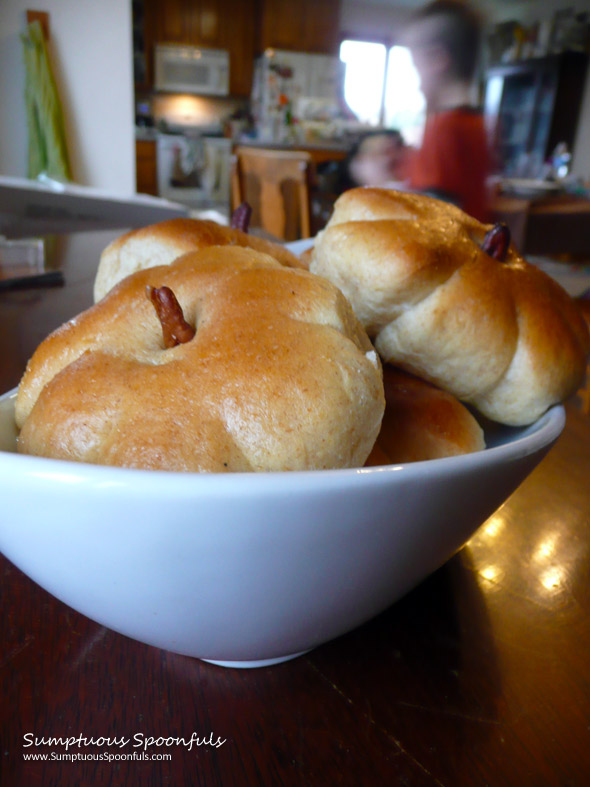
(373, 20)
(91, 55)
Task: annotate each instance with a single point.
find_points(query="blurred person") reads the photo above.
(453, 161)
(378, 159)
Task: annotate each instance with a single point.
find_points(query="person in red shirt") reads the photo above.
(453, 161)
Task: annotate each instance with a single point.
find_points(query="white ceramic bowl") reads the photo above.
(248, 569)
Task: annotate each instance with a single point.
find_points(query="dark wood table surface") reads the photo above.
(549, 226)
(480, 676)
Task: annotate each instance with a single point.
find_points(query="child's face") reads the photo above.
(377, 161)
(430, 57)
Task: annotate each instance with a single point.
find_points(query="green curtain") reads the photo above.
(48, 151)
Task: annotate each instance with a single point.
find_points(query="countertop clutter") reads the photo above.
(478, 676)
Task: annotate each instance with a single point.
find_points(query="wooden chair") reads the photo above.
(276, 184)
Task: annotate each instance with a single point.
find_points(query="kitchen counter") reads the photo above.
(320, 151)
(325, 144)
(146, 133)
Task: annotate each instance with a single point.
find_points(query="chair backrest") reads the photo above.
(276, 184)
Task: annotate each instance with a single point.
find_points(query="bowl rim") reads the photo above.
(533, 438)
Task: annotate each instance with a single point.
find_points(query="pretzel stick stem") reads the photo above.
(240, 218)
(497, 242)
(175, 329)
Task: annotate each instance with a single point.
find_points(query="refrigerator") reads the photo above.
(294, 89)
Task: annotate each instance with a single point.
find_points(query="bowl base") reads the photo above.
(255, 664)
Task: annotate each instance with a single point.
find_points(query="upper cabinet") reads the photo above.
(194, 22)
(172, 22)
(239, 25)
(304, 26)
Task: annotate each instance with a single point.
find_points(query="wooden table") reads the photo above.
(480, 676)
(555, 225)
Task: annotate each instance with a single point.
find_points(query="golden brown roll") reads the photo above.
(497, 333)
(422, 422)
(162, 243)
(279, 375)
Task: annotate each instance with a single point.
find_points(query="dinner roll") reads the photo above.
(422, 422)
(482, 324)
(160, 244)
(244, 365)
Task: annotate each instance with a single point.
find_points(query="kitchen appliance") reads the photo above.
(194, 170)
(297, 86)
(189, 69)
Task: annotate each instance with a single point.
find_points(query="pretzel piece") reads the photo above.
(175, 328)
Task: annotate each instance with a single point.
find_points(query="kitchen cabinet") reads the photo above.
(531, 106)
(173, 22)
(308, 26)
(240, 31)
(146, 174)
(195, 22)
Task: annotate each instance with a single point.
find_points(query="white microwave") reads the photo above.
(189, 69)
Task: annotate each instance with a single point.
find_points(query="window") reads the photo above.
(364, 78)
(405, 107)
(382, 87)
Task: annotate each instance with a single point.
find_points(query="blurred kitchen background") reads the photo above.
(157, 93)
